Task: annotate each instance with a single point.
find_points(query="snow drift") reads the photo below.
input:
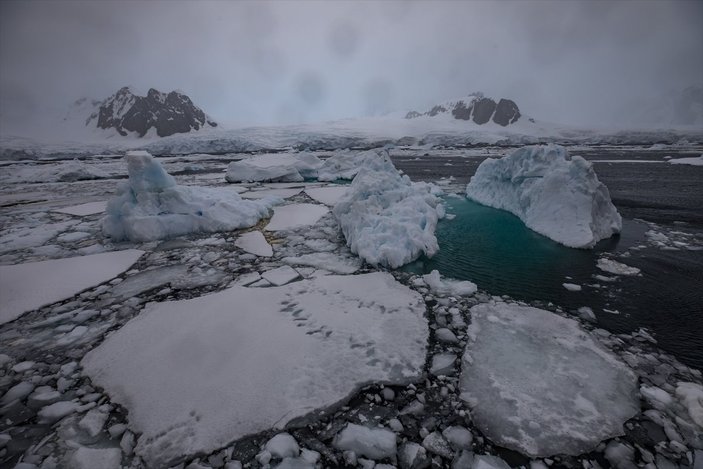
(152, 206)
(386, 219)
(553, 193)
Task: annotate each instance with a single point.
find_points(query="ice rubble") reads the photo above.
(82, 210)
(152, 206)
(553, 193)
(274, 167)
(537, 382)
(278, 352)
(26, 287)
(386, 219)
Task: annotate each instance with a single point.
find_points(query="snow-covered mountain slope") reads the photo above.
(166, 113)
(477, 108)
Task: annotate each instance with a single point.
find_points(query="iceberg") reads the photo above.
(386, 219)
(345, 165)
(152, 206)
(553, 193)
(274, 167)
(539, 384)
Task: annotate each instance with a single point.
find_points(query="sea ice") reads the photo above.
(327, 261)
(290, 217)
(553, 193)
(274, 167)
(82, 210)
(537, 383)
(614, 267)
(374, 443)
(26, 287)
(571, 286)
(386, 219)
(254, 242)
(281, 275)
(695, 161)
(448, 286)
(92, 458)
(327, 195)
(152, 206)
(280, 193)
(279, 353)
(345, 164)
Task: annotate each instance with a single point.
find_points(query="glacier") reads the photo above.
(152, 206)
(555, 194)
(539, 384)
(386, 219)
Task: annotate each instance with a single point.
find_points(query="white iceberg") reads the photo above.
(553, 193)
(197, 374)
(274, 167)
(345, 165)
(448, 286)
(693, 161)
(386, 219)
(152, 206)
(537, 383)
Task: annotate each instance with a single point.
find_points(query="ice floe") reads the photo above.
(386, 219)
(279, 353)
(327, 195)
(553, 193)
(26, 287)
(537, 382)
(293, 216)
(448, 286)
(82, 210)
(327, 261)
(615, 267)
(274, 167)
(152, 206)
(695, 161)
(255, 243)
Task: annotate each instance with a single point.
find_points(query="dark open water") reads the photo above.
(496, 251)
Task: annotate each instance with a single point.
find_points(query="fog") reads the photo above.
(581, 63)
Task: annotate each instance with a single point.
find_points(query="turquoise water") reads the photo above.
(495, 250)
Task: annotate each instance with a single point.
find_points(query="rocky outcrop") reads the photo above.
(476, 108)
(167, 113)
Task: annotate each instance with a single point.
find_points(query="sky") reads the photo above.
(252, 63)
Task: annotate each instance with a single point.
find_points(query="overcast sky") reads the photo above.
(279, 62)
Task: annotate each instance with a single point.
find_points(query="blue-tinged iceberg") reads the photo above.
(152, 206)
(553, 193)
(386, 219)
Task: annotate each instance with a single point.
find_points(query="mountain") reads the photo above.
(125, 111)
(475, 107)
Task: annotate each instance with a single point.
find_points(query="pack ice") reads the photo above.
(553, 193)
(197, 374)
(152, 206)
(537, 383)
(386, 219)
(274, 167)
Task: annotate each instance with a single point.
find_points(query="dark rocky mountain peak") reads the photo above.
(477, 108)
(168, 113)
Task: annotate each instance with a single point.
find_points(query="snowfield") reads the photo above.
(263, 357)
(553, 193)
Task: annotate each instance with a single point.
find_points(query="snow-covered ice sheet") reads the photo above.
(553, 193)
(278, 353)
(695, 161)
(152, 206)
(538, 383)
(26, 287)
(255, 243)
(82, 210)
(290, 217)
(327, 195)
(386, 219)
